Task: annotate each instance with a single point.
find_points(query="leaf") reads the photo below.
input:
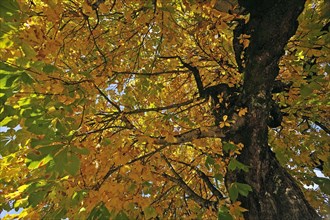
(209, 162)
(229, 147)
(10, 121)
(73, 164)
(39, 126)
(150, 212)
(243, 189)
(49, 68)
(99, 212)
(29, 52)
(218, 177)
(224, 215)
(9, 9)
(242, 112)
(36, 197)
(121, 216)
(238, 188)
(233, 192)
(42, 162)
(235, 164)
(305, 90)
(7, 80)
(324, 184)
(80, 150)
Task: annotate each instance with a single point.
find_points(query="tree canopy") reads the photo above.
(164, 109)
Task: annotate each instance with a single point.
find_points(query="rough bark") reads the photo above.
(275, 194)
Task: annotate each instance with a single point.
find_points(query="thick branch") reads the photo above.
(197, 76)
(194, 71)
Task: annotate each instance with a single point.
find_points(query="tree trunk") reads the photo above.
(275, 194)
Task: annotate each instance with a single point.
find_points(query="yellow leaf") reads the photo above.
(222, 124)
(242, 112)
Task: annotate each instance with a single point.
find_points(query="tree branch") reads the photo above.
(194, 71)
(176, 105)
(321, 125)
(114, 169)
(206, 179)
(178, 180)
(325, 128)
(150, 74)
(198, 133)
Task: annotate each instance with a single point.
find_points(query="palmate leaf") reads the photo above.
(238, 188)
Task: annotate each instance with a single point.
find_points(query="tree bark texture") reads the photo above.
(275, 194)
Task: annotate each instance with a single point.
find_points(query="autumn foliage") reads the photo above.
(127, 109)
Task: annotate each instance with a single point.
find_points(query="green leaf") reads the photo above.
(6, 68)
(9, 121)
(78, 196)
(26, 78)
(218, 176)
(28, 50)
(99, 212)
(121, 216)
(36, 197)
(73, 164)
(40, 127)
(223, 214)
(49, 68)
(40, 163)
(305, 90)
(243, 189)
(233, 192)
(238, 188)
(9, 9)
(150, 212)
(7, 80)
(80, 150)
(235, 164)
(324, 184)
(61, 160)
(60, 128)
(229, 147)
(209, 161)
